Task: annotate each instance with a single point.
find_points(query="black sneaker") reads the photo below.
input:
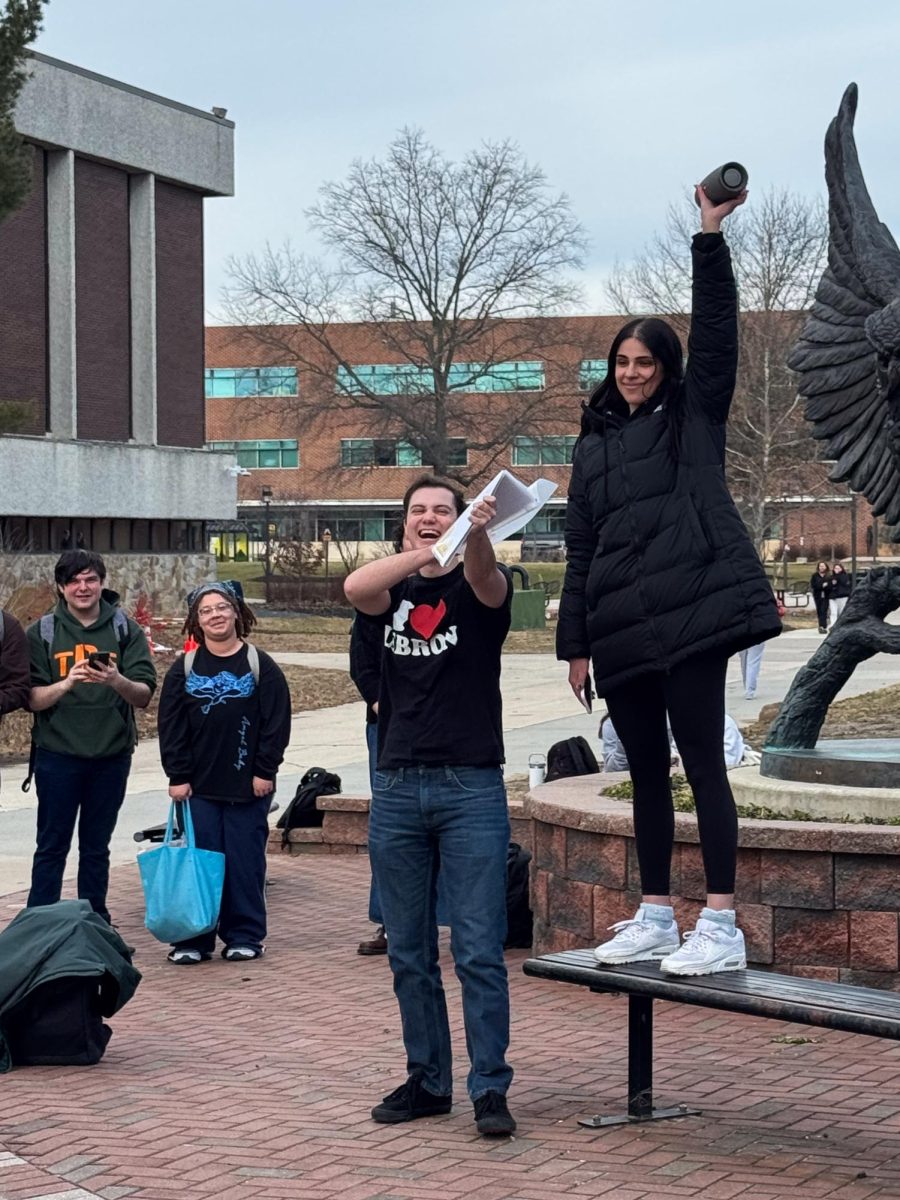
(492, 1117)
(409, 1102)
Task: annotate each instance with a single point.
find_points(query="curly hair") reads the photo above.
(245, 621)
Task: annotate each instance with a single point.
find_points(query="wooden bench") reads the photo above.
(758, 993)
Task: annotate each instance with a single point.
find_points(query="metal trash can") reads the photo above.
(528, 606)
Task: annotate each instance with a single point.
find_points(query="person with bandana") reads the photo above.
(224, 725)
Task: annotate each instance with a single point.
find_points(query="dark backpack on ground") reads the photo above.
(571, 757)
(302, 813)
(518, 906)
(59, 1024)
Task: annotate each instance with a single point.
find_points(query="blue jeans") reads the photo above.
(69, 789)
(372, 748)
(240, 832)
(750, 663)
(456, 818)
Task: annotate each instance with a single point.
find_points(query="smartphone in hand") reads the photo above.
(98, 658)
(586, 695)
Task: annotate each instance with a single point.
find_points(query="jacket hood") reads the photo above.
(109, 602)
(610, 412)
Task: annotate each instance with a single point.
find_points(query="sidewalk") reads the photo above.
(254, 1082)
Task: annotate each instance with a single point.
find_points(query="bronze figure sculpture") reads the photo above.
(848, 361)
(848, 356)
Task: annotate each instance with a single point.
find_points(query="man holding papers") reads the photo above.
(439, 798)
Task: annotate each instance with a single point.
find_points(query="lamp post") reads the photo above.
(266, 494)
(326, 542)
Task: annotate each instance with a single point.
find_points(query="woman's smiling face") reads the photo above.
(638, 374)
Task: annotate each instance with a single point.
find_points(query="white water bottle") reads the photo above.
(537, 770)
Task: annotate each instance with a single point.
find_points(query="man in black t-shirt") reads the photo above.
(439, 799)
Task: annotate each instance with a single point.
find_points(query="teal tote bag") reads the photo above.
(182, 885)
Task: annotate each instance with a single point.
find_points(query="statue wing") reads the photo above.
(848, 356)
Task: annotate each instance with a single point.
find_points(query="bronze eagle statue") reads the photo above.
(848, 355)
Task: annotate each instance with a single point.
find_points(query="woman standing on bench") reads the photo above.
(662, 585)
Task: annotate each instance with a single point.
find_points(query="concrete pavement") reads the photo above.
(538, 710)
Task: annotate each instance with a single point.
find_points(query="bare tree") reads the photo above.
(436, 258)
(19, 26)
(778, 242)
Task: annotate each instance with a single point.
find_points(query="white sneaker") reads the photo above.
(708, 948)
(638, 940)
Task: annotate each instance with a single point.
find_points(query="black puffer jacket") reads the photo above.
(659, 563)
(839, 586)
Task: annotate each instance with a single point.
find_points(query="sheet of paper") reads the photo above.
(517, 503)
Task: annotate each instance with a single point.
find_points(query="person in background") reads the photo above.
(223, 731)
(751, 659)
(613, 752)
(837, 590)
(90, 668)
(366, 643)
(817, 585)
(15, 675)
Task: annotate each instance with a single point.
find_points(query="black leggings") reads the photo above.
(693, 694)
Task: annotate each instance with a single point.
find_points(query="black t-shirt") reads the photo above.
(439, 703)
(221, 729)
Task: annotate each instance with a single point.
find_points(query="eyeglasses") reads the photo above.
(214, 610)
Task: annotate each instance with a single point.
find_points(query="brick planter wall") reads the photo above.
(345, 829)
(813, 899)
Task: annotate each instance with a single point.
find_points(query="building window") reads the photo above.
(457, 452)
(259, 454)
(351, 525)
(239, 382)
(379, 452)
(542, 451)
(591, 372)
(551, 522)
(404, 379)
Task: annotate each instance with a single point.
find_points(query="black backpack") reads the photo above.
(518, 906)
(58, 1024)
(302, 813)
(571, 757)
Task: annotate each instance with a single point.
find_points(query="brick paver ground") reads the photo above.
(236, 1081)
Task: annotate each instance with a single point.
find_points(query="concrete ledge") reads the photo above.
(341, 803)
(345, 828)
(817, 799)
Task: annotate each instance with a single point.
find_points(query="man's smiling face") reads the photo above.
(431, 512)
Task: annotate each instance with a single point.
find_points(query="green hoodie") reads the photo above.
(90, 721)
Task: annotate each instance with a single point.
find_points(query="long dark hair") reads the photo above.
(662, 341)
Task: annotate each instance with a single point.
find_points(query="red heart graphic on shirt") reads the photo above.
(424, 619)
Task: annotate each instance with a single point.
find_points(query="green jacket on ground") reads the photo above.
(90, 721)
(56, 941)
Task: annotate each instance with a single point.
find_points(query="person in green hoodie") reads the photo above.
(90, 668)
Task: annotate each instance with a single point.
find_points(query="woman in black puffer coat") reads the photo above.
(662, 585)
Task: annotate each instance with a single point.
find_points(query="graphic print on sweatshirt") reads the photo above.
(414, 630)
(220, 688)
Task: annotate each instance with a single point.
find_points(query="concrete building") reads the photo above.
(101, 323)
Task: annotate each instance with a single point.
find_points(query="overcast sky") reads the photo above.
(622, 105)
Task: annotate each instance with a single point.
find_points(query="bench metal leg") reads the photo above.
(640, 1072)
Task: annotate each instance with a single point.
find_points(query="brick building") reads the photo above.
(101, 322)
(331, 465)
(315, 463)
